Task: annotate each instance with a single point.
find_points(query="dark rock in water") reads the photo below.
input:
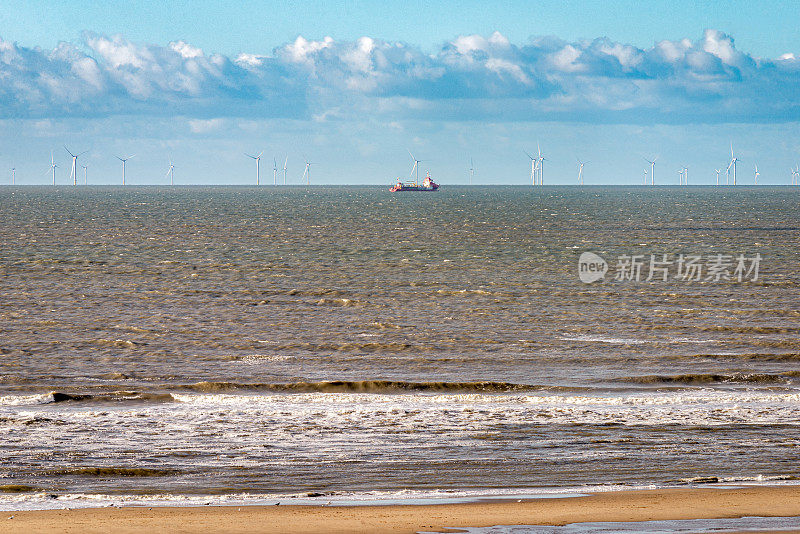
(62, 397)
(314, 494)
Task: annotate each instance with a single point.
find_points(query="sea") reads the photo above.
(241, 345)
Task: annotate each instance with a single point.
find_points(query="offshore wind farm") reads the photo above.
(589, 323)
(536, 177)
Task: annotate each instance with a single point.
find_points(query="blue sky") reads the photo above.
(352, 85)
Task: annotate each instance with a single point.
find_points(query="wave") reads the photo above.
(715, 479)
(751, 329)
(708, 378)
(16, 488)
(760, 356)
(350, 347)
(114, 472)
(116, 396)
(369, 386)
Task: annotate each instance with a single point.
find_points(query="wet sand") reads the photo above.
(664, 504)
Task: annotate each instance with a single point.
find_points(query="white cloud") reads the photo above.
(471, 77)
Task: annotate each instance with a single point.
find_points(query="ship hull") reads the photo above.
(396, 189)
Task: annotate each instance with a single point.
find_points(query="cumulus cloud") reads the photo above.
(473, 77)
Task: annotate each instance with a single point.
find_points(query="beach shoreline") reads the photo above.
(622, 506)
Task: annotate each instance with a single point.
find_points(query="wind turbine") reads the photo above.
(274, 171)
(680, 176)
(757, 174)
(541, 160)
(795, 173)
(258, 166)
(734, 159)
(644, 178)
(652, 169)
(534, 167)
(416, 165)
(471, 171)
(685, 175)
(171, 173)
(717, 171)
(284, 169)
(14, 176)
(85, 175)
(580, 171)
(74, 172)
(124, 160)
(307, 173)
(53, 167)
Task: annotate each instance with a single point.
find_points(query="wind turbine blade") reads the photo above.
(526, 153)
(68, 152)
(259, 154)
(285, 162)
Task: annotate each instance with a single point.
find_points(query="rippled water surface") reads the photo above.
(335, 340)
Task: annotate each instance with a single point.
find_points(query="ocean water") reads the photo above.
(237, 344)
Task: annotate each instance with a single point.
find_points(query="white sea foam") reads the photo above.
(740, 524)
(25, 400)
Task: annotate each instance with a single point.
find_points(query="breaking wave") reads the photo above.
(117, 396)
(709, 378)
(368, 386)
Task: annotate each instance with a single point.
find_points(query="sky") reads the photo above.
(353, 86)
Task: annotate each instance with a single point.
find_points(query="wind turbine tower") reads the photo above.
(415, 167)
(307, 173)
(580, 171)
(274, 171)
(284, 169)
(53, 167)
(85, 175)
(171, 172)
(534, 167)
(717, 171)
(258, 166)
(74, 172)
(734, 159)
(757, 174)
(541, 160)
(644, 177)
(471, 171)
(124, 160)
(652, 169)
(14, 176)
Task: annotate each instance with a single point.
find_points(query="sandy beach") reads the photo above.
(664, 504)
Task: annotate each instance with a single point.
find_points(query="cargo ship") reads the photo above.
(427, 185)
